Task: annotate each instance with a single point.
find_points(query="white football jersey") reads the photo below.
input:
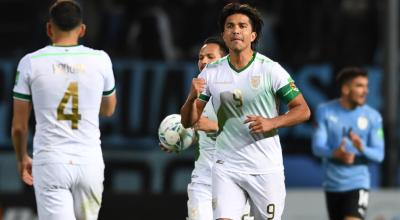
(204, 162)
(236, 94)
(65, 86)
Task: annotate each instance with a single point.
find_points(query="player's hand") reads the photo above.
(356, 140)
(206, 125)
(25, 170)
(342, 155)
(165, 149)
(259, 124)
(198, 86)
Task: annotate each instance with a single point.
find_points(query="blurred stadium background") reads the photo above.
(153, 45)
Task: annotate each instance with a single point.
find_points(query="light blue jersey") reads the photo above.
(333, 124)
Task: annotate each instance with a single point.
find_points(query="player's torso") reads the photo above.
(66, 86)
(235, 95)
(340, 122)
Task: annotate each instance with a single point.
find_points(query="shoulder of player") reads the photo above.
(217, 63)
(263, 59)
(371, 111)
(328, 106)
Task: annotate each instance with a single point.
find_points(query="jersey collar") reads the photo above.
(248, 64)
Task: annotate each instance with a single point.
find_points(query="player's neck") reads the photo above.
(240, 59)
(347, 104)
(64, 39)
(64, 43)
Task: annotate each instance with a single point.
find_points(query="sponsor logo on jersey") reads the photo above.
(220, 162)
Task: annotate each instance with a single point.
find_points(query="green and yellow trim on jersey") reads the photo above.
(22, 97)
(109, 93)
(204, 98)
(288, 92)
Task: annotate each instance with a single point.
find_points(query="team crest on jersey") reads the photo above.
(255, 81)
(362, 122)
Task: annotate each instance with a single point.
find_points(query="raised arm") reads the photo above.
(193, 107)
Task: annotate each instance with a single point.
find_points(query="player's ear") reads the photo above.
(82, 30)
(253, 36)
(49, 30)
(345, 89)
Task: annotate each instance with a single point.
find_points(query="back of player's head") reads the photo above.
(245, 9)
(66, 14)
(348, 73)
(217, 40)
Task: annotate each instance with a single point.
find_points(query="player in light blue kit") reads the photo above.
(348, 137)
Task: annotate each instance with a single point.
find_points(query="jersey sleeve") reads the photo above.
(320, 145)
(205, 95)
(22, 88)
(109, 80)
(374, 148)
(282, 84)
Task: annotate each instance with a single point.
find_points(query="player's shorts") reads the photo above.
(199, 203)
(266, 194)
(352, 203)
(68, 192)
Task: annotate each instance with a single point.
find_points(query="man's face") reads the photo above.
(208, 53)
(356, 90)
(238, 32)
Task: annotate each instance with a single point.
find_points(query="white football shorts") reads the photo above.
(199, 203)
(265, 192)
(68, 192)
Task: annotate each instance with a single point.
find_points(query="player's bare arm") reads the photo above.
(298, 113)
(206, 125)
(19, 133)
(192, 108)
(108, 104)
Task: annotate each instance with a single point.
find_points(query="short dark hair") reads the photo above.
(217, 40)
(66, 14)
(349, 73)
(252, 13)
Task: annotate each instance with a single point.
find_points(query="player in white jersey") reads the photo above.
(68, 85)
(245, 87)
(199, 189)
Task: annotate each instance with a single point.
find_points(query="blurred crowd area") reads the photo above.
(296, 32)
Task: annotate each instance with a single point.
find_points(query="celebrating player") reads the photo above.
(244, 88)
(68, 85)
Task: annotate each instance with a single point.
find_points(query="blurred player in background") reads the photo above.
(243, 88)
(348, 137)
(68, 85)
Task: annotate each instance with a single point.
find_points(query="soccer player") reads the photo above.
(68, 85)
(245, 87)
(348, 137)
(199, 189)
